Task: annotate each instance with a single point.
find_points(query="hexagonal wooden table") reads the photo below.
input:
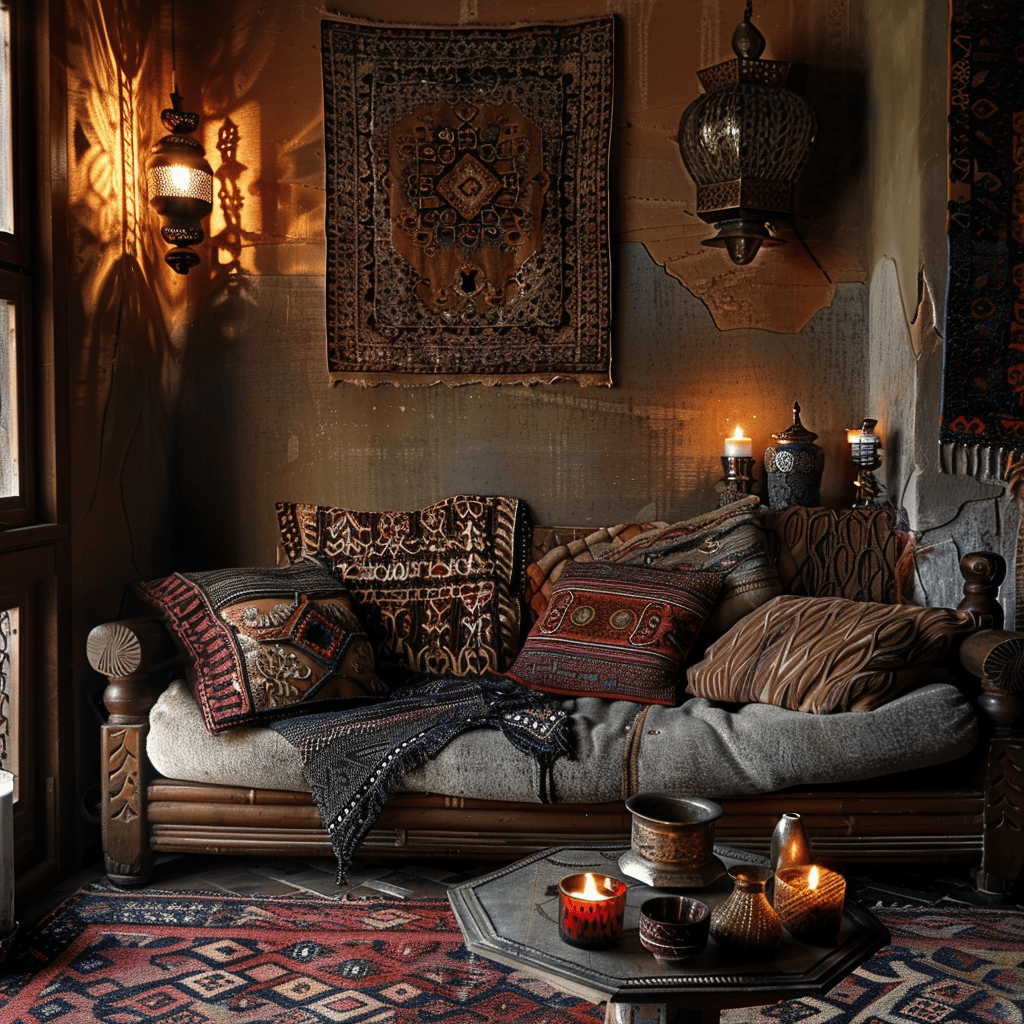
(511, 915)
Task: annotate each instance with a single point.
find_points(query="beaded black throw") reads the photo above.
(983, 384)
(467, 202)
(353, 758)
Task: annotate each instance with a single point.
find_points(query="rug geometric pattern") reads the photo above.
(193, 958)
(172, 958)
(960, 966)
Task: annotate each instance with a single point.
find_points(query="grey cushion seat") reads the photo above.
(696, 748)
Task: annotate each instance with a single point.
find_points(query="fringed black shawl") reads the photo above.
(353, 758)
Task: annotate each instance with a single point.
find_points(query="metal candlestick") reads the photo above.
(739, 478)
(864, 448)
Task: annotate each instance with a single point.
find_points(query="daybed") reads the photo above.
(934, 772)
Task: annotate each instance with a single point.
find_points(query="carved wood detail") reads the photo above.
(1002, 858)
(983, 573)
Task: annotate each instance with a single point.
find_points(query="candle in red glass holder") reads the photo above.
(809, 902)
(590, 909)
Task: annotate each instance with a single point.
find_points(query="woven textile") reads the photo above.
(617, 631)
(198, 958)
(353, 759)
(192, 958)
(825, 654)
(729, 540)
(542, 574)
(467, 202)
(263, 642)
(436, 588)
(983, 381)
(952, 965)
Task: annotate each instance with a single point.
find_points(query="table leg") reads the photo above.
(657, 1013)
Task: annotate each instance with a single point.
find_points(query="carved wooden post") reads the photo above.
(983, 573)
(996, 656)
(124, 652)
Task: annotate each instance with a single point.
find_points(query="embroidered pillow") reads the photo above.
(437, 588)
(617, 631)
(825, 654)
(560, 547)
(729, 540)
(262, 642)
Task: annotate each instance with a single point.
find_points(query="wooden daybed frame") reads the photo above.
(972, 810)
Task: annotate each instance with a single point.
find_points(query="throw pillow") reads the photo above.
(560, 546)
(617, 631)
(824, 654)
(437, 588)
(262, 642)
(857, 553)
(729, 540)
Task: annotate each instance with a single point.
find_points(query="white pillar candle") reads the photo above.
(738, 446)
(6, 852)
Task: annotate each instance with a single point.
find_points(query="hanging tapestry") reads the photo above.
(467, 202)
(983, 382)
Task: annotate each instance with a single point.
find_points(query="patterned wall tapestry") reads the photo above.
(467, 202)
(983, 386)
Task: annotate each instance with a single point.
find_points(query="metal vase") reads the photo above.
(790, 845)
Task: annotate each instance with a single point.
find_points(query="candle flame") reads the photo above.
(812, 878)
(738, 436)
(590, 891)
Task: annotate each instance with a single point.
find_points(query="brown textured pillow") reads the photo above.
(824, 654)
(729, 540)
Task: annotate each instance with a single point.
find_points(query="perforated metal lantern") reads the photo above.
(180, 185)
(744, 143)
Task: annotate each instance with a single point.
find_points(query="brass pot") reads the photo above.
(675, 830)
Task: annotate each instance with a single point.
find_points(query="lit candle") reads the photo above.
(809, 902)
(738, 446)
(591, 909)
(6, 853)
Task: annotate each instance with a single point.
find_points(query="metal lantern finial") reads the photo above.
(744, 142)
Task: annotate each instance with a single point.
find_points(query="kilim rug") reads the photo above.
(189, 958)
(467, 202)
(983, 379)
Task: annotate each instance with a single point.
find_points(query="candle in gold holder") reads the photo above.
(809, 902)
(590, 909)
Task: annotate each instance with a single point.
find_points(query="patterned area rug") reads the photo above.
(188, 958)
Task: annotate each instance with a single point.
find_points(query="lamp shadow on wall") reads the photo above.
(830, 192)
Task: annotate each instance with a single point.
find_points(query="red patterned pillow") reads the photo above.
(617, 631)
(261, 642)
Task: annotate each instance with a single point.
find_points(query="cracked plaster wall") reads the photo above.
(953, 513)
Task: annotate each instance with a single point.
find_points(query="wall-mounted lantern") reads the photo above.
(744, 142)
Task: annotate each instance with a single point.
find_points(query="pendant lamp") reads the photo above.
(744, 142)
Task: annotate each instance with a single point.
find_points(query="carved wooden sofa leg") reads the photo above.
(996, 657)
(125, 652)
